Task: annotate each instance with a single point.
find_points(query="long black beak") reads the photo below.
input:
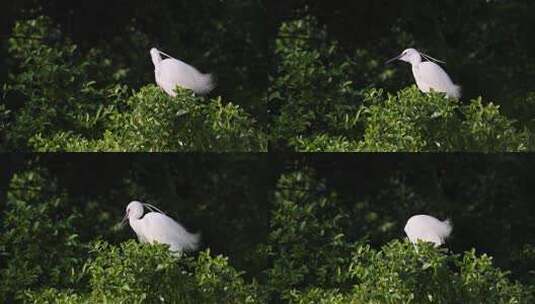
(125, 218)
(395, 58)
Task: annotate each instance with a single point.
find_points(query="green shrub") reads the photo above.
(62, 90)
(136, 273)
(154, 121)
(400, 273)
(412, 121)
(75, 102)
(325, 143)
(38, 241)
(316, 251)
(4, 122)
(320, 296)
(307, 242)
(314, 259)
(323, 99)
(312, 90)
(185, 123)
(44, 259)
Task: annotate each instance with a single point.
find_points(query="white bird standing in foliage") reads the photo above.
(427, 228)
(171, 72)
(429, 75)
(156, 226)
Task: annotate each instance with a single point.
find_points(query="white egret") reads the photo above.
(427, 228)
(156, 226)
(171, 72)
(429, 75)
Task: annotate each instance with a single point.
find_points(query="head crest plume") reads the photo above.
(153, 208)
(431, 58)
(166, 55)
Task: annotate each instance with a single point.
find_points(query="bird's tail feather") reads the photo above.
(206, 83)
(455, 92)
(447, 228)
(193, 241)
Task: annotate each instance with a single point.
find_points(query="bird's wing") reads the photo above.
(173, 72)
(427, 228)
(163, 229)
(431, 76)
(424, 235)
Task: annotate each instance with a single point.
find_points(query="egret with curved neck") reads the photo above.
(171, 72)
(156, 226)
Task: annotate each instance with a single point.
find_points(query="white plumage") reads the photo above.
(171, 72)
(158, 227)
(427, 228)
(429, 75)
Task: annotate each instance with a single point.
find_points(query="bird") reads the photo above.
(427, 228)
(429, 76)
(171, 72)
(156, 226)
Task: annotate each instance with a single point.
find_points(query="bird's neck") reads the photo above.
(134, 223)
(156, 58)
(416, 61)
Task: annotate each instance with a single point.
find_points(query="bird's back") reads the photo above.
(427, 228)
(430, 76)
(171, 73)
(163, 229)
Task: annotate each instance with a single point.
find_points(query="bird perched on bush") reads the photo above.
(429, 76)
(171, 72)
(156, 226)
(427, 228)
